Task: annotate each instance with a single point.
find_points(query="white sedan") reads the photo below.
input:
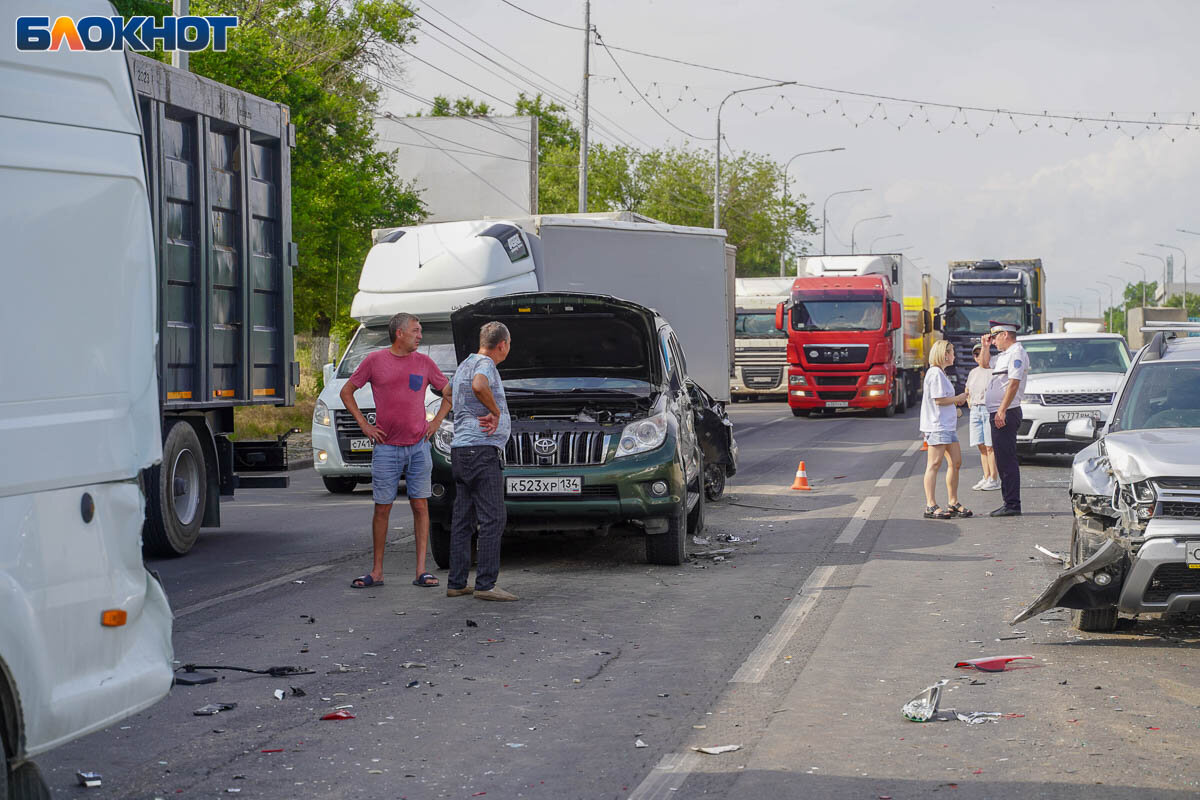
(1071, 375)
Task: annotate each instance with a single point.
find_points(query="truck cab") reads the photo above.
(760, 349)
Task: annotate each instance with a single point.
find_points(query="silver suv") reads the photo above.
(1135, 542)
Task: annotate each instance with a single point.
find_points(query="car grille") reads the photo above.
(1090, 399)
(824, 395)
(1179, 510)
(1169, 579)
(762, 376)
(836, 354)
(1179, 484)
(347, 428)
(571, 449)
(836, 380)
(760, 356)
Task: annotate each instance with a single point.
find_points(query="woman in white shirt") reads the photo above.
(939, 423)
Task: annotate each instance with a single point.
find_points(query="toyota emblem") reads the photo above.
(545, 446)
(371, 417)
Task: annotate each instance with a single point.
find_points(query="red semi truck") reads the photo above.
(859, 330)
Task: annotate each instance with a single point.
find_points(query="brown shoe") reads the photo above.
(496, 593)
(459, 592)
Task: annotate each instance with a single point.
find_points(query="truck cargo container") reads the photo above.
(218, 169)
(859, 330)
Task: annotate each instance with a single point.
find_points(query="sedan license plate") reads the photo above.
(544, 486)
(361, 445)
(1193, 554)
(837, 403)
(1063, 416)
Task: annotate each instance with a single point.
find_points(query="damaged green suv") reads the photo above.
(604, 423)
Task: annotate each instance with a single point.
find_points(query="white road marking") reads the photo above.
(889, 473)
(912, 448)
(755, 667)
(854, 526)
(666, 777)
(264, 586)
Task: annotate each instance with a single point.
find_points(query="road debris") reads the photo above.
(924, 706)
(341, 714)
(701, 540)
(297, 691)
(714, 554)
(718, 750)
(989, 663)
(639, 743)
(213, 708)
(412, 684)
(89, 779)
(280, 694)
(413, 665)
(1059, 557)
(978, 717)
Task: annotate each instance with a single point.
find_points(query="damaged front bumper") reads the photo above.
(1078, 587)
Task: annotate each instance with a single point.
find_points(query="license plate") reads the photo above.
(1193, 554)
(361, 445)
(1063, 416)
(539, 486)
(837, 403)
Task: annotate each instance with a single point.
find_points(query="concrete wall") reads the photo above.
(1140, 316)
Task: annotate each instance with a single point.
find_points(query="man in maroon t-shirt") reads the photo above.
(398, 377)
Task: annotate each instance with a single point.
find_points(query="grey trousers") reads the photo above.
(478, 501)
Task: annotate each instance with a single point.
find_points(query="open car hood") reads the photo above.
(565, 334)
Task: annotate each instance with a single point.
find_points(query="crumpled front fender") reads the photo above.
(1072, 588)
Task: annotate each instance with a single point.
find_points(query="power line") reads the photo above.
(460, 80)
(650, 105)
(543, 19)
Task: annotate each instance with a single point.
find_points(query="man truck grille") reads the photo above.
(551, 449)
(836, 354)
(762, 376)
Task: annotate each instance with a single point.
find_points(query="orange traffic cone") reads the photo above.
(924, 445)
(801, 482)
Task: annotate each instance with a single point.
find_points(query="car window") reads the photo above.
(1160, 394)
(437, 342)
(680, 358)
(1076, 355)
(668, 358)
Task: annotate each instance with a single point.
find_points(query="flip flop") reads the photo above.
(424, 580)
(365, 582)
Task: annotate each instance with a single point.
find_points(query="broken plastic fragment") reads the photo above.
(640, 743)
(922, 707)
(989, 664)
(297, 691)
(412, 684)
(1059, 557)
(279, 694)
(977, 717)
(89, 779)
(716, 751)
(338, 715)
(213, 708)
(412, 665)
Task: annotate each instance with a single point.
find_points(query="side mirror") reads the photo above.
(895, 317)
(328, 372)
(1081, 430)
(937, 321)
(779, 317)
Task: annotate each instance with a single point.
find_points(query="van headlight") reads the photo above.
(643, 435)
(321, 415)
(443, 436)
(876, 380)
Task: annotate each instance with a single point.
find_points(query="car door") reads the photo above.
(689, 443)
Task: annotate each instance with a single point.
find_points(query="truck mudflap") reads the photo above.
(1074, 587)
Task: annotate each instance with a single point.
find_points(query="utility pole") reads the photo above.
(583, 129)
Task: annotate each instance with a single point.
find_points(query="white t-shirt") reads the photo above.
(935, 418)
(1011, 364)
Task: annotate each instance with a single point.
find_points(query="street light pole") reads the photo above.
(1164, 263)
(1145, 279)
(1111, 300)
(783, 255)
(881, 238)
(854, 227)
(717, 170)
(1124, 301)
(825, 214)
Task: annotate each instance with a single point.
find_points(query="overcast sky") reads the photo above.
(1081, 204)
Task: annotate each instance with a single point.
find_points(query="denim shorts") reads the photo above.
(941, 437)
(981, 426)
(390, 463)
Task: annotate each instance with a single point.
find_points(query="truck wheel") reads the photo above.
(695, 521)
(890, 409)
(340, 485)
(176, 491)
(1095, 620)
(439, 544)
(800, 412)
(668, 548)
(714, 481)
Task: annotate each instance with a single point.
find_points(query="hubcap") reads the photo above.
(185, 485)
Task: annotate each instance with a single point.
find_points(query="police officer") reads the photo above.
(1004, 394)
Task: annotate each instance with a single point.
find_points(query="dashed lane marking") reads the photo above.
(855, 525)
(755, 667)
(666, 777)
(889, 473)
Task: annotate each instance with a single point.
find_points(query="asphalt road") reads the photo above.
(834, 609)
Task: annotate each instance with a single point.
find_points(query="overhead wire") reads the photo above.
(543, 19)
(651, 106)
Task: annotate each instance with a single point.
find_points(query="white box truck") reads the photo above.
(85, 634)
(760, 350)
(431, 270)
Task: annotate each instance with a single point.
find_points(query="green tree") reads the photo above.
(461, 107)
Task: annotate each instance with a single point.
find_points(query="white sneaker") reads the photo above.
(991, 486)
(979, 484)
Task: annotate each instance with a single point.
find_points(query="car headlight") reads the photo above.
(643, 435)
(321, 415)
(443, 436)
(1143, 492)
(876, 380)
(1033, 399)
(797, 380)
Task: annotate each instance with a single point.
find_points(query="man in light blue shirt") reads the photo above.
(481, 429)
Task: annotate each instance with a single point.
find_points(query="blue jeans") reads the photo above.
(390, 463)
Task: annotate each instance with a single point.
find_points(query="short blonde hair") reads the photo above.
(939, 354)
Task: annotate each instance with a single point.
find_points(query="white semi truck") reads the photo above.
(684, 273)
(760, 350)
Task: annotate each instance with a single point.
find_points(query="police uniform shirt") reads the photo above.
(1011, 364)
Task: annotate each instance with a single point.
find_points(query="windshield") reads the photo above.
(837, 310)
(436, 343)
(757, 325)
(978, 319)
(1076, 355)
(1162, 394)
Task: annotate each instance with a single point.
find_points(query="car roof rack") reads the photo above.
(1164, 332)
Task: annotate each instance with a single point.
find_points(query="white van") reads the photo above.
(85, 637)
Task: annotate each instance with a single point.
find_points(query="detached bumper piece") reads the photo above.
(1074, 587)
